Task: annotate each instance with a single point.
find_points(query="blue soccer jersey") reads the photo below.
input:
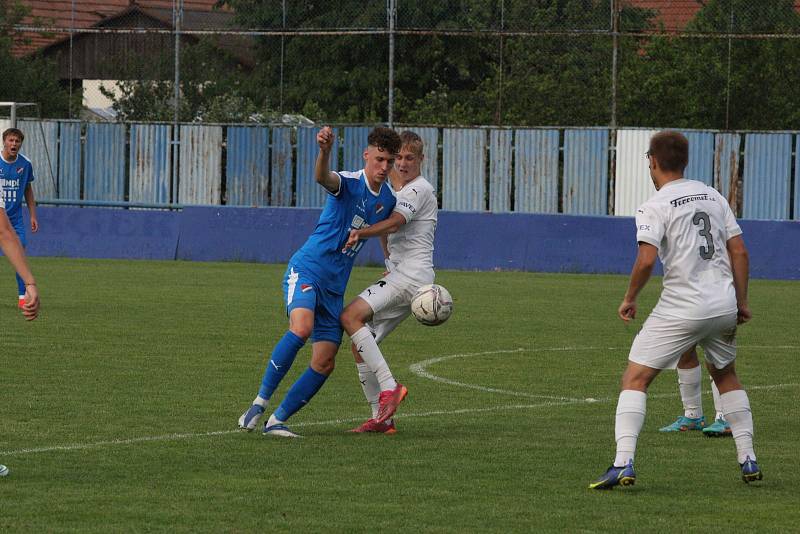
(15, 177)
(354, 206)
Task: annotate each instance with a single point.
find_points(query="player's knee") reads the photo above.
(324, 366)
(350, 319)
(725, 379)
(688, 359)
(303, 331)
(638, 377)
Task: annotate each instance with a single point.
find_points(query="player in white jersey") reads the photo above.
(381, 307)
(690, 226)
(690, 377)
(12, 248)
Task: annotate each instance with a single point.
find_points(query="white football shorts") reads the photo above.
(390, 300)
(661, 341)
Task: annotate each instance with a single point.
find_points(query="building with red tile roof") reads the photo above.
(79, 14)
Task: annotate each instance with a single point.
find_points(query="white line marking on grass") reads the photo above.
(336, 422)
(330, 422)
(419, 369)
(553, 402)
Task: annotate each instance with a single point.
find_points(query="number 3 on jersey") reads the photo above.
(706, 252)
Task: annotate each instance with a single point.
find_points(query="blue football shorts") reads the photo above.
(302, 291)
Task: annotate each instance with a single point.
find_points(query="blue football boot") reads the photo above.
(615, 476)
(750, 471)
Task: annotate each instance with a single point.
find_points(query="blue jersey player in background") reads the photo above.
(317, 275)
(16, 176)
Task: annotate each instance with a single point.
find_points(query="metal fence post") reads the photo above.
(177, 14)
(391, 14)
(614, 54)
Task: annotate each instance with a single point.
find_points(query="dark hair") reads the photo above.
(14, 131)
(412, 141)
(385, 139)
(671, 150)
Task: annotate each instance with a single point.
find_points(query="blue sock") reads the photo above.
(20, 281)
(280, 362)
(20, 286)
(300, 393)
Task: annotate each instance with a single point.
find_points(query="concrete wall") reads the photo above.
(468, 241)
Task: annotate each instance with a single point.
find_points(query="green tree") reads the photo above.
(29, 79)
(685, 82)
(211, 88)
(442, 79)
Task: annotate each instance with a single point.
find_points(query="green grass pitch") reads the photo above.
(119, 408)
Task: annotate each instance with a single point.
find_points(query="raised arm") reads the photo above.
(740, 266)
(322, 171)
(642, 268)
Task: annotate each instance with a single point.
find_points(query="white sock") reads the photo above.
(630, 418)
(736, 411)
(371, 354)
(689, 383)
(274, 421)
(717, 402)
(261, 402)
(369, 384)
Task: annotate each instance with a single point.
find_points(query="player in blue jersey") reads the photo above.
(16, 175)
(317, 275)
(12, 248)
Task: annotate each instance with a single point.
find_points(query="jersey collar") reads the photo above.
(4, 158)
(673, 182)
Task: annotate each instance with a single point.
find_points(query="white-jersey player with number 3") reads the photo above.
(407, 237)
(691, 227)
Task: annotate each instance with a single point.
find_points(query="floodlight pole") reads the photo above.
(614, 60)
(391, 12)
(177, 14)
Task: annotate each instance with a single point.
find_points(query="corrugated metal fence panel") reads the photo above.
(726, 165)
(632, 183)
(586, 172)
(309, 193)
(104, 175)
(247, 166)
(463, 170)
(796, 215)
(767, 172)
(355, 141)
(536, 171)
(701, 157)
(41, 147)
(281, 194)
(150, 162)
(69, 161)
(430, 164)
(500, 170)
(200, 164)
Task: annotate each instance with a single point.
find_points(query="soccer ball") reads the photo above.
(432, 305)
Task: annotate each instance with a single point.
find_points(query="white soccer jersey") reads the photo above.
(411, 247)
(690, 223)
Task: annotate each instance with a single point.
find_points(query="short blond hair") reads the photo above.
(412, 141)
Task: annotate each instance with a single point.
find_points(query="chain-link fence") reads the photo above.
(721, 64)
